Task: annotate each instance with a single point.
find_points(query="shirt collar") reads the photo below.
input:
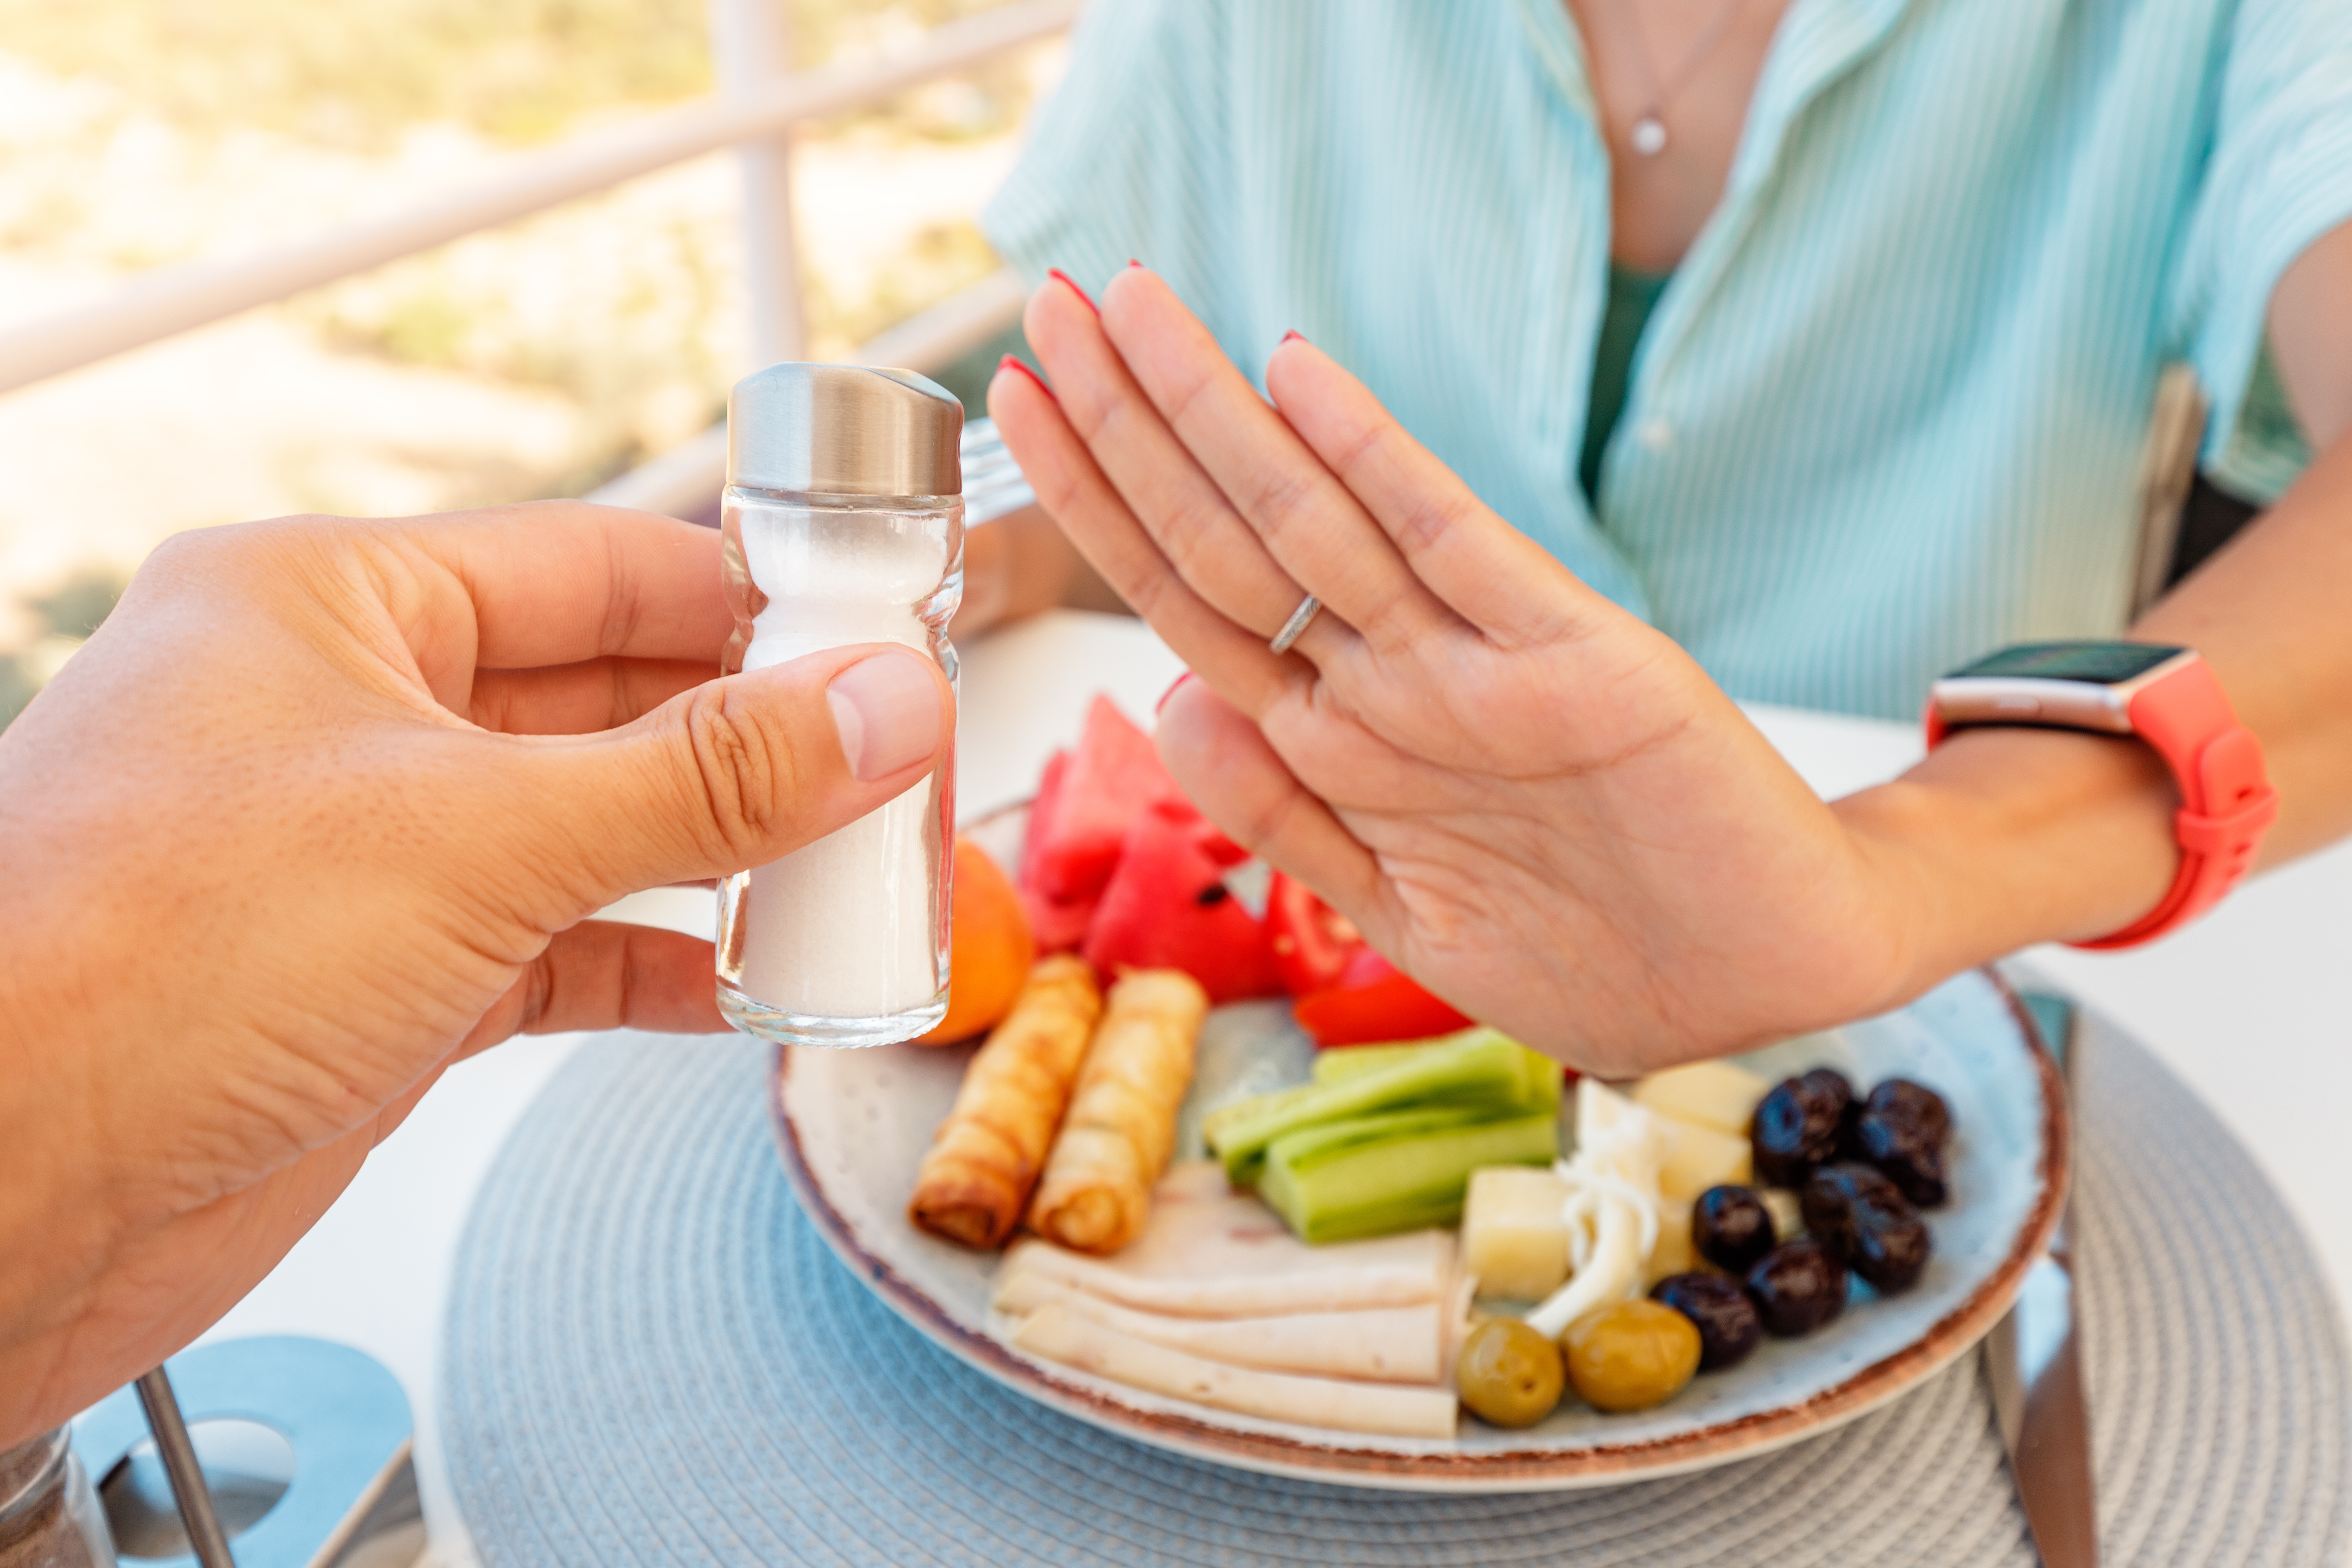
(1818, 41)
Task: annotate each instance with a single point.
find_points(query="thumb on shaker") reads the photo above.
(742, 771)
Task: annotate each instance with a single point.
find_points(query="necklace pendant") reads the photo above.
(1649, 136)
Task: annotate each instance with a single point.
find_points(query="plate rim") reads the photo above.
(1508, 1470)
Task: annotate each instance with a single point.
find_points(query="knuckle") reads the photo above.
(1285, 500)
(1387, 621)
(258, 562)
(1365, 445)
(535, 993)
(624, 606)
(742, 771)
(1187, 533)
(1095, 412)
(1183, 394)
(1420, 526)
(1152, 592)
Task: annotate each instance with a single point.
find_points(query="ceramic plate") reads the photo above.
(853, 1125)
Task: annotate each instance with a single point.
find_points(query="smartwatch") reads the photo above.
(2167, 697)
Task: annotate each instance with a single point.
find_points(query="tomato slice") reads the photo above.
(1312, 940)
(1384, 1007)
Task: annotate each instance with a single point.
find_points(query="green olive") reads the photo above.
(1632, 1355)
(1508, 1374)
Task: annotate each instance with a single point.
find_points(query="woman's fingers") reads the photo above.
(1226, 766)
(1090, 510)
(580, 699)
(1311, 526)
(1195, 528)
(1489, 572)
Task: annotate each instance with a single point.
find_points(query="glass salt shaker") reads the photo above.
(49, 1515)
(843, 524)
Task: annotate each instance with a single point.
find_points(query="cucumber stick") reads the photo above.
(1479, 1068)
(1376, 1174)
(1215, 1127)
(1337, 1064)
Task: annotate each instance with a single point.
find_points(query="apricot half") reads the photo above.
(989, 951)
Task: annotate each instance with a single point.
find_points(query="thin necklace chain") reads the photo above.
(1649, 132)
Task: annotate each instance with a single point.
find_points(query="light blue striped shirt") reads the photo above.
(1890, 412)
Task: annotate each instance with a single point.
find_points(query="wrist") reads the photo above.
(2004, 838)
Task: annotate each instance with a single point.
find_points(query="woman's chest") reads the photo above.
(1905, 177)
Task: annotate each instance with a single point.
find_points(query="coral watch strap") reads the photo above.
(2226, 799)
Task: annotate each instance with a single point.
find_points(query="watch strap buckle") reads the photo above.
(2228, 834)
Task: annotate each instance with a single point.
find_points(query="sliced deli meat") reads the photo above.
(1344, 1289)
(1056, 1333)
(1379, 1344)
(1209, 1252)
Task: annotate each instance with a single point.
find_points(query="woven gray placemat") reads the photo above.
(653, 1359)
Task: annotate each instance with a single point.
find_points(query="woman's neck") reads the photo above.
(1691, 66)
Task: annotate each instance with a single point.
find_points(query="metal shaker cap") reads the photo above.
(844, 429)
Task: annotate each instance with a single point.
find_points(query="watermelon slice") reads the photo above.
(1109, 781)
(1058, 927)
(1166, 906)
(1059, 924)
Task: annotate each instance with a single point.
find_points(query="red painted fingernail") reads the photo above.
(1057, 272)
(1293, 334)
(1012, 362)
(1171, 691)
(1131, 261)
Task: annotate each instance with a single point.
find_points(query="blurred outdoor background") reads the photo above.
(538, 359)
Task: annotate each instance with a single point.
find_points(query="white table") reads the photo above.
(2252, 1007)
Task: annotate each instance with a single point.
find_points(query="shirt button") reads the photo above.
(1655, 435)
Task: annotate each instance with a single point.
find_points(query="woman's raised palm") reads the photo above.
(1535, 804)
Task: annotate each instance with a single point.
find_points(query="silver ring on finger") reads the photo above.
(1296, 626)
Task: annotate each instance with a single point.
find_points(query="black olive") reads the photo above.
(1797, 1126)
(1731, 1228)
(1892, 1252)
(1830, 1084)
(1725, 1318)
(1830, 1194)
(1797, 1289)
(1864, 1221)
(1906, 1151)
(1917, 1102)
(1829, 1081)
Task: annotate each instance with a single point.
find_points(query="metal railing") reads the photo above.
(755, 111)
(685, 480)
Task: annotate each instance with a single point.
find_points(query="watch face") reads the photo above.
(2098, 663)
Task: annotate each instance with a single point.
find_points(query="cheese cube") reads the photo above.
(1702, 1158)
(1674, 1254)
(1714, 1094)
(1513, 1238)
(1787, 1213)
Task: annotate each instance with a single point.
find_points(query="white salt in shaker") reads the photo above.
(844, 519)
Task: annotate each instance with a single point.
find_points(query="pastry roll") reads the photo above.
(985, 1157)
(1122, 1126)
